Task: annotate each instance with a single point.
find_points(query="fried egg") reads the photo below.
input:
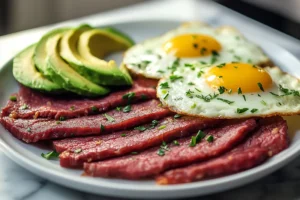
(189, 45)
(231, 90)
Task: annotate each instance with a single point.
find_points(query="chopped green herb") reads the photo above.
(263, 102)
(221, 89)
(129, 96)
(237, 57)
(162, 127)
(203, 63)
(72, 108)
(13, 98)
(213, 60)
(127, 109)
(118, 108)
(102, 128)
(160, 71)
(229, 91)
(166, 95)
(214, 53)
(174, 78)
(134, 153)
(208, 97)
(109, 118)
(77, 150)
(58, 122)
(244, 97)
(200, 73)
(123, 135)
(220, 76)
(240, 91)
(164, 146)
(140, 128)
(164, 85)
(188, 65)
(253, 110)
(189, 93)
(197, 89)
(258, 95)
(195, 45)
(193, 106)
(28, 129)
(237, 37)
(144, 97)
(154, 123)
(62, 118)
(160, 152)
(177, 116)
(225, 100)
(210, 138)
(260, 87)
(24, 107)
(287, 91)
(221, 65)
(274, 94)
(191, 83)
(94, 109)
(241, 110)
(196, 139)
(175, 142)
(50, 155)
(203, 50)
(193, 141)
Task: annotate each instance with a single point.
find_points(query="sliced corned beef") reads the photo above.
(136, 140)
(34, 104)
(33, 130)
(158, 159)
(269, 139)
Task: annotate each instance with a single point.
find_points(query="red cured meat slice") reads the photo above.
(268, 140)
(33, 130)
(149, 163)
(44, 106)
(167, 130)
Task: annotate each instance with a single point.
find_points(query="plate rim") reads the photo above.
(171, 191)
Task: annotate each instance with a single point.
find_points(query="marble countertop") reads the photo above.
(16, 183)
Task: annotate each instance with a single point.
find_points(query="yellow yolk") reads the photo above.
(192, 45)
(247, 77)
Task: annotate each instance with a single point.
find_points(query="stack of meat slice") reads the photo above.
(128, 134)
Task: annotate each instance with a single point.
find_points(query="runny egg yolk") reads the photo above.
(232, 76)
(192, 45)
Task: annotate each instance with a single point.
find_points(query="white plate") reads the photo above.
(29, 157)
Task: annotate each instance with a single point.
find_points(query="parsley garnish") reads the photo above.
(127, 109)
(200, 73)
(188, 65)
(191, 83)
(286, 91)
(102, 128)
(140, 128)
(160, 152)
(241, 110)
(210, 138)
(196, 139)
(50, 155)
(129, 96)
(109, 118)
(160, 71)
(175, 77)
(208, 97)
(240, 91)
(221, 89)
(163, 148)
(221, 65)
(154, 123)
(123, 135)
(260, 87)
(72, 108)
(194, 106)
(162, 127)
(166, 95)
(225, 100)
(237, 57)
(164, 85)
(175, 142)
(62, 118)
(13, 98)
(244, 97)
(263, 102)
(177, 116)
(253, 110)
(134, 153)
(118, 108)
(203, 50)
(94, 109)
(274, 94)
(29, 130)
(189, 93)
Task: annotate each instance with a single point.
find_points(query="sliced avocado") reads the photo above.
(40, 52)
(25, 72)
(94, 45)
(63, 74)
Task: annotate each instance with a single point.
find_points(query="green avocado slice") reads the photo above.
(63, 74)
(40, 52)
(93, 45)
(25, 72)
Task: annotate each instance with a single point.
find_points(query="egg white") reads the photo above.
(266, 104)
(150, 60)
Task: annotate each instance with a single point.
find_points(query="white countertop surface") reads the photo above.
(17, 183)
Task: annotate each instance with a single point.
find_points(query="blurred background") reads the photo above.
(17, 15)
